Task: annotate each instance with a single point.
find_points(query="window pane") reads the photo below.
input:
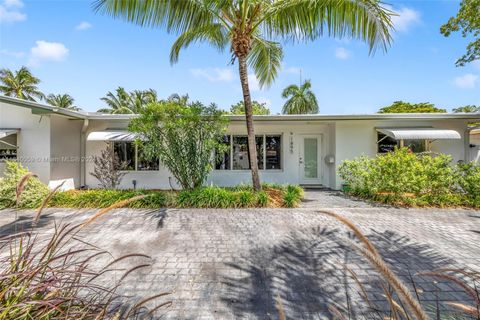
(8, 150)
(125, 151)
(415, 146)
(146, 165)
(273, 147)
(387, 144)
(240, 152)
(222, 161)
(310, 156)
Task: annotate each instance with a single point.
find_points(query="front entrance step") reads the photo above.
(314, 187)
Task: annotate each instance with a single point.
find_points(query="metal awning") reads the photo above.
(7, 132)
(420, 134)
(112, 136)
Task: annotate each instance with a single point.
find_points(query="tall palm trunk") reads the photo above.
(247, 100)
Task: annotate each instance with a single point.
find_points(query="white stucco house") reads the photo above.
(59, 144)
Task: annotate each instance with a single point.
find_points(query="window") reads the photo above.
(8, 147)
(133, 156)
(223, 160)
(236, 156)
(388, 144)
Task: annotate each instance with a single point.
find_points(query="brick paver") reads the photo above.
(232, 264)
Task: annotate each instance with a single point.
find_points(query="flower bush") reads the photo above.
(401, 177)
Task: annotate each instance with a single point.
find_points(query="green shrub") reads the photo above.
(402, 177)
(292, 196)
(32, 196)
(262, 198)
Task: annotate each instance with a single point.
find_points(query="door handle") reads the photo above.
(300, 160)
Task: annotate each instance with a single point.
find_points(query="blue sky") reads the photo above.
(73, 50)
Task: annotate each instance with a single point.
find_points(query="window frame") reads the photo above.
(264, 140)
(401, 143)
(135, 158)
(12, 147)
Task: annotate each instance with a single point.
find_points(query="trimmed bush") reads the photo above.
(32, 196)
(404, 178)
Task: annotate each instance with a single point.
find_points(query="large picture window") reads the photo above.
(8, 147)
(236, 156)
(133, 157)
(388, 144)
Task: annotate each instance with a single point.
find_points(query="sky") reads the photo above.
(74, 50)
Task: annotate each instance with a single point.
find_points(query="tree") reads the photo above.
(253, 29)
(62, 101)
(20, 84)
(108, 168)
(257, 108)
(123, 102)
(301, 100)
(467, 109)
(406, 107)
(185, 140)
(467, 21)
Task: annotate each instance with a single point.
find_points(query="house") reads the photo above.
(60, 144)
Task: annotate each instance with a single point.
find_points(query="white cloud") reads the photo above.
(405, 18)
(47, 51)
(9, 11)
(84, 25)
(214, 74)
(467, 81)
(342, 53)
(15, 54)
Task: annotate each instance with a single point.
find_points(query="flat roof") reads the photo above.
(283, 117)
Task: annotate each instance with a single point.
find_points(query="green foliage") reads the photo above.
(123, 102)
(467, 21)
(20, 84)
(65, 101)
(258, 108)
(103, 198)
(184, 137)
(301, 99)
(467, 109)
(406, 107)
(402, 177)
(32, 196)
(292, 196)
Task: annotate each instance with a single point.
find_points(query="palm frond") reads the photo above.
(265, 59)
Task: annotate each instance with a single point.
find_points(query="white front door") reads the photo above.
(310, 159)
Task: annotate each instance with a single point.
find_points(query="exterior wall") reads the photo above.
(290, 158)
(65, 149)
(33, 139)
(358, 137)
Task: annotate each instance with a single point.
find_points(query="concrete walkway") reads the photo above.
(232, 264)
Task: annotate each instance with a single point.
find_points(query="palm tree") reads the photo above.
(301, 100)
(123, 102)
(62, 101)
(20, 84)
(252, 29)
(467, 109)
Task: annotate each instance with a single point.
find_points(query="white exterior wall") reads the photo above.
(289, 173)
(33, 140)
(355, 138)
(65, 148)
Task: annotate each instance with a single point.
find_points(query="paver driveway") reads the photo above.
(231, 264)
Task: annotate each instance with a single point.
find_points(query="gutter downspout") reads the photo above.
(83, 148)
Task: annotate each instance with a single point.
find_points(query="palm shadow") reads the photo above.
(308, 272)
(25, 223)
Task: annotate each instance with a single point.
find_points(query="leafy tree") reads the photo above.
(467, 109)
(252, 31)
(123, 102)
(20, 84)
(185, 140)
(257, 108)
(467, 21)
(301, 100)
(175, 97)
(406, 107)
(62, 101)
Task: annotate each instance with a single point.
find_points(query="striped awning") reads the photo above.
(112, 136)
(420, 134)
